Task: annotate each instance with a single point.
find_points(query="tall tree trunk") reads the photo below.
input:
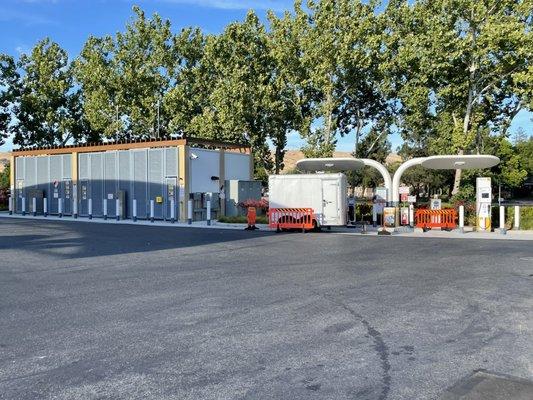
(357, 133)
(278, 158)
(466, 126)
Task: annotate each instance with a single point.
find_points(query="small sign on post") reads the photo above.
(436, 204)
(404, 193)
(411, 199)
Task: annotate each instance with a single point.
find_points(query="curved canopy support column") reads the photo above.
(384, 173)
(398, 176)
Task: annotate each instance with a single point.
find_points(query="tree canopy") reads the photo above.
(449, 76)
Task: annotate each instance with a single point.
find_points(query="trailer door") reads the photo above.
(330, 197)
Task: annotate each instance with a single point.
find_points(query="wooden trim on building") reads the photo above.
(100, 147)
(12, 175)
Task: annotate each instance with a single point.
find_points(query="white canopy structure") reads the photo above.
(442, 162)
(341, 164)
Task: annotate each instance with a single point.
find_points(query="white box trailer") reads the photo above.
(324, 193)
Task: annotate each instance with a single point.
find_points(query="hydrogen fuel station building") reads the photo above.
(125, 179)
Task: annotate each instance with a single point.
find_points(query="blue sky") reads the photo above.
(70, 22)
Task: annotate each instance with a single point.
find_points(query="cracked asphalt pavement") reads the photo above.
(93, 311)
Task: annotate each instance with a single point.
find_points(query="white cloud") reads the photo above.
(276, 5)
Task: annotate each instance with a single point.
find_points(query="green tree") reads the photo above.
(188, 94)
(4, 178)
(340, 47)
(238, 69)
(124, 79)
(47, 108)
(465, 61)
(9, 91)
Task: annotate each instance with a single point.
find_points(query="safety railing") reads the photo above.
(428, 219)
(291, 218)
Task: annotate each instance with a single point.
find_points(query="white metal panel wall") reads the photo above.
(43, 168)
(237, 166)
(156, 177)
(20, 191)
(171, 162)
(202, 168)
(110, 181)
(39, 172)
(96, 167)
(140, 189)
(140, 173)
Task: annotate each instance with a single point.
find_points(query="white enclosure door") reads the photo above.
(330, 189)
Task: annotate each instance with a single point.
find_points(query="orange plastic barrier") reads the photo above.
(427, 219)
(291, 218)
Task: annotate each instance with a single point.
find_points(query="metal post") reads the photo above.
(502, 220)
(517, 217)
(209, 209)
(172, 211)
(411, 215)
(152, 206)
(374, 216)
(60, 207)
(117, 209)
(134, 211)
(45, 207)
(105, 208)
(75, 208)
(462, 218)
(10, 205)
(189, 209)
(24, 206)
(90, 208)
(34, 206)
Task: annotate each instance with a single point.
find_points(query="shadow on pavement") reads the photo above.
(66, 239)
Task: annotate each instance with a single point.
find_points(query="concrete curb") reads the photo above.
(112, 221)
(456, 234)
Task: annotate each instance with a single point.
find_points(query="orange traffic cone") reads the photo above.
(251, 217)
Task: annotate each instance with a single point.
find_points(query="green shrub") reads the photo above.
(526, 217)
(241, 219)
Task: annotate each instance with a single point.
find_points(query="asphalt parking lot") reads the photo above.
(94, 311)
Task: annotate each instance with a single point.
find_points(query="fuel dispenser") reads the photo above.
(483, 203)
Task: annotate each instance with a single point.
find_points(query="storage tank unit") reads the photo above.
(324, 193)
(164, 172)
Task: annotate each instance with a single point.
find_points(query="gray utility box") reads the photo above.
(237, 191)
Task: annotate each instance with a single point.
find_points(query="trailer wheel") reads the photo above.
(316, 228)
